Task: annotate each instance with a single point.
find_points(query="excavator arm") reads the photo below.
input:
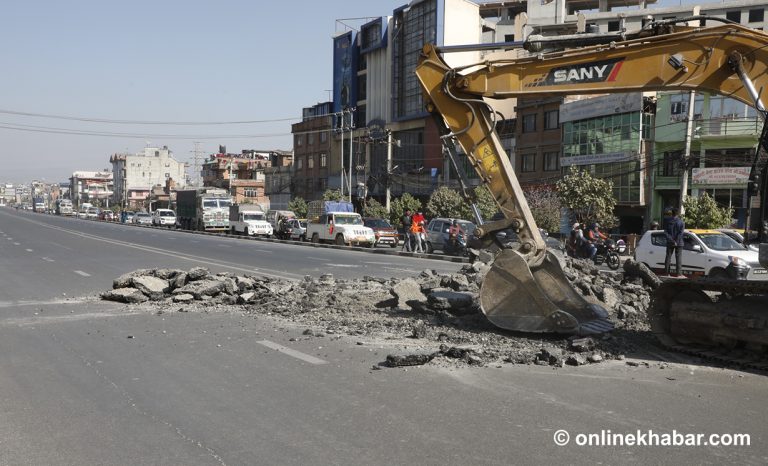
(526, 289)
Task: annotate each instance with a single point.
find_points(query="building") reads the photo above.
(278, 180)
(136, 175)
(243, 175)
(94, 187)
(312, 149)
(725, 137)
(538, 141)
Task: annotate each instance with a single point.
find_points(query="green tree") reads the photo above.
(545, 207)
(444, 202)
(332, 195)
(373, 208)
(485, 203)
(399, 205)
(703, 212)
(589, 198)
(299, 206)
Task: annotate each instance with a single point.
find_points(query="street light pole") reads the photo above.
(389, 168)
(687, 153)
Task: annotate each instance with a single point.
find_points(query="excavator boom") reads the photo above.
(526, 289)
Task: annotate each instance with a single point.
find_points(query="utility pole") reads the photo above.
(196, 161)
(687, 153)
(341, 157)
(351, 126)
(389, 167)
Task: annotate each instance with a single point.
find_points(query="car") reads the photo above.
(107, 215)
(383, 230)
(92, 213)
(298, 228)
(437, 232)
(127, 216)
(142, 218)
(164, 217)
(708, 253)
(739, 237)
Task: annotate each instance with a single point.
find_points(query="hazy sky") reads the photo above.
(160, 61)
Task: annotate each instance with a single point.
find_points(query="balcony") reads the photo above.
(728, 127)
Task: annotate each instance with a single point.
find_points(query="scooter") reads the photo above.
(459, 249)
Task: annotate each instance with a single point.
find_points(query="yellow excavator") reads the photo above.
(526, 289)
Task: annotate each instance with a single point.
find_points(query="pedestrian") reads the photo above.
(673, 228)
(576, 240)
(453, 234)
(406, 221)
(417, 228)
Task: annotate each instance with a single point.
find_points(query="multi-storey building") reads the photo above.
(277, 180)
(243, 175)
(725, 137)
(538, 141)
(136, 174)
(312, 150)
(94, 187)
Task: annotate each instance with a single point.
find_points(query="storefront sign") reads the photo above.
(596, 159)
(601, 106)
(720, 175)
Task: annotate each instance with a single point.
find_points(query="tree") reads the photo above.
(545, 207)
(373, 208)
(589, 198)
(299, 206)
(485, 203)
(332, 195)
(444, 202)
(703, 212)
(399, 205)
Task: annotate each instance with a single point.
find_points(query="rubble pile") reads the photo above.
(437, 314)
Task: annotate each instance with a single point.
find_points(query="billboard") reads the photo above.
(344, 71)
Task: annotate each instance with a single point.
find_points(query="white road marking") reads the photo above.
(17, 244)
(47, 259)
(263, 250)
(29, 250)
(401, 270)
(379, 263)
(342, 265)
(291, 352)
(80, 272)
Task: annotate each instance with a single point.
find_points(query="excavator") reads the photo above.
(526, 289)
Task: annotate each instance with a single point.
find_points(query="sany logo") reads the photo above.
(602, 71)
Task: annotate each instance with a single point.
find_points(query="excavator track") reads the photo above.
(732, 328)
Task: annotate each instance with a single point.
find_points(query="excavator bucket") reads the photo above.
(540, 300)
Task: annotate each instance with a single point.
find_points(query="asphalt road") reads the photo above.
(90, 382)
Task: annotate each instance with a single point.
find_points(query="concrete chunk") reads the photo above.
(125, 295)
(154, 288)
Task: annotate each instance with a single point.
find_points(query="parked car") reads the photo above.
(384, 231)
(437, 232)
(82, 213)
(127, 216)
(164, 217)
(739, 238)
(298, 228)
(107, 215)
(93, 213)
(142, 218)
(705, 252)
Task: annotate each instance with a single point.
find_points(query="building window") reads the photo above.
(322, 184)
(733, 15)
(310, 161)
(756, 16)
(613, 26)
(323, 137)
(551, 120)
(299, 140)
(323, 160)
(509, 37)
(528, 163)
(308, 184)
(299, 163)
(529, 123)
(551, 161)
(250, 192)
(310, 139)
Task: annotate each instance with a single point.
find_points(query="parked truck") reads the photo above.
(248, 219)
(337, 222)
(203, 209)
(38, 205)
(64, 207)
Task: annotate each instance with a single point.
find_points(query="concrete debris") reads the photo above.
(448, 324)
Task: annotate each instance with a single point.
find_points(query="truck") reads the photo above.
(38, 205)
(276, 219)
(64, 207)
(337, 222)
(526, 289)
(203, 209)
(248, 219)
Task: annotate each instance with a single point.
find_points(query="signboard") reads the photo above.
(596, 159)
(344, 72)
(720, 175)
(601, 106)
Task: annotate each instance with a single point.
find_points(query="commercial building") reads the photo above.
(137, 174)
(241, 174)
(312, 150)
(94, 187)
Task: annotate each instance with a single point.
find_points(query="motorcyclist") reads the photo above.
(453, 235)
(595, 237)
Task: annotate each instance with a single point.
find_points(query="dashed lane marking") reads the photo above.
(80, 272)
(29, 250)
(47, 259)
(17, 244)
(292, 352)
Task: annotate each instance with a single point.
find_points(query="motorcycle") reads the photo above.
(608, 252)
(457, 249)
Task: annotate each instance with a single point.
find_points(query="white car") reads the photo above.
(164, 217)
(142, 218)
(705, 253)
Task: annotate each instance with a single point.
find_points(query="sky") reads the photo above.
(161, 61)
